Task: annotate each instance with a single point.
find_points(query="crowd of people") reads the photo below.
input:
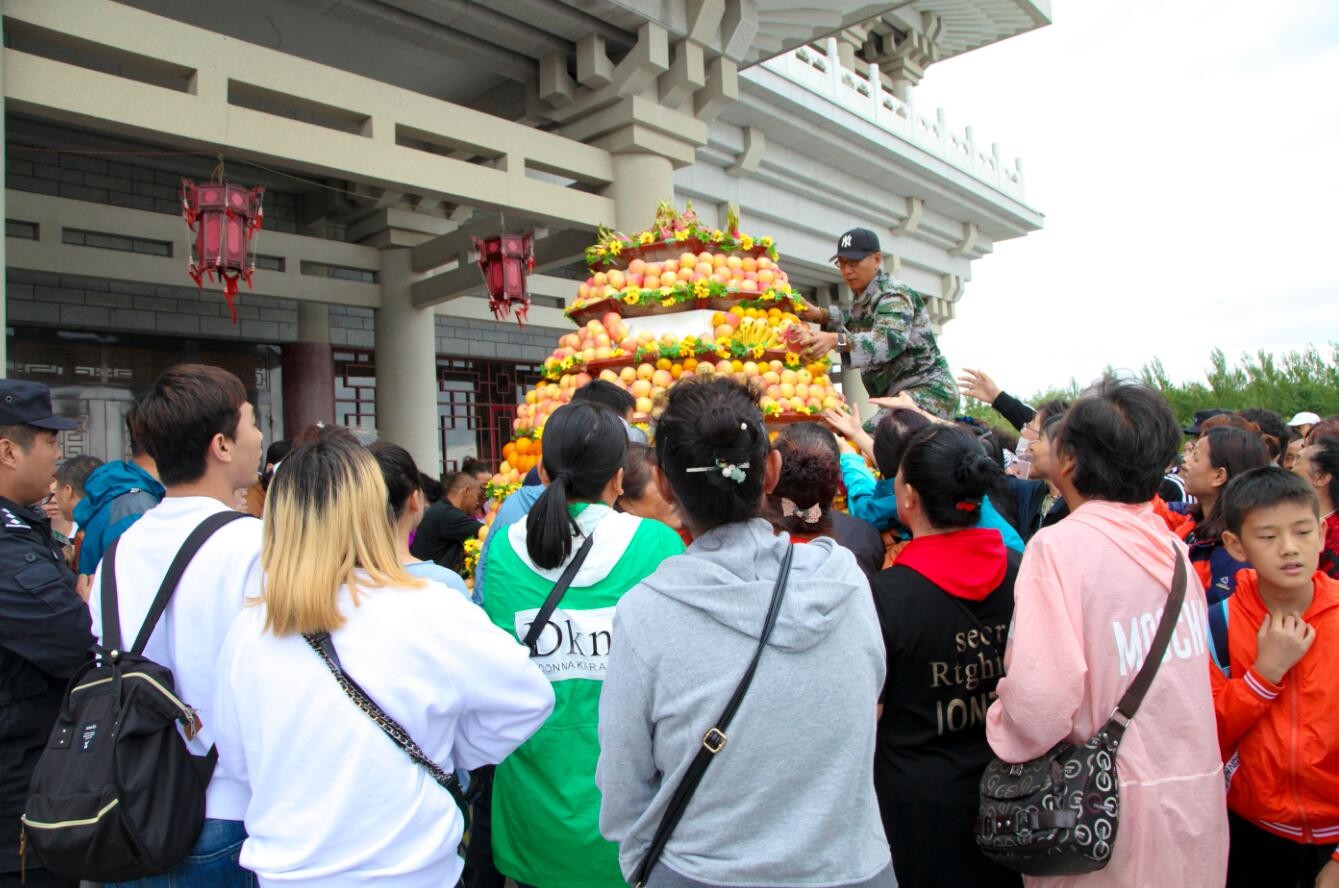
(919, 599)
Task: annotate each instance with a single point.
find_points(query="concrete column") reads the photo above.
(309, 371)
(641, 182)
(406, 362)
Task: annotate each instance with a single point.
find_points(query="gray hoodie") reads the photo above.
(790, 799)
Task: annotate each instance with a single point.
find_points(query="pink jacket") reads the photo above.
(1089, 595)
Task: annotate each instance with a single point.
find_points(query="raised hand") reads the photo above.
(978, 384)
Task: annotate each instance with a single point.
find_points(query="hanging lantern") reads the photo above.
(506, 261)
(225, 219)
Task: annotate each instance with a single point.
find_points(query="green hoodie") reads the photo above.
(546, 807)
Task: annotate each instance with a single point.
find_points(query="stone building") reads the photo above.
(387, 132)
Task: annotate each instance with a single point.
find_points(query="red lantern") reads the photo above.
(225, 219)
(506, 261)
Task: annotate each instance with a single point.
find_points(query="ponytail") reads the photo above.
(952, 475)
(584, 446)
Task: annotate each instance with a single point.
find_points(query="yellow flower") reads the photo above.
(717, 236)
(701, 290)
(766, 242)
(758, 351)
(632, 294)
(792, 360)
(645, 237)
(665, 291)
(681, 235)
(615, 247)
(667, 301)
(746, 242)
(598, 249)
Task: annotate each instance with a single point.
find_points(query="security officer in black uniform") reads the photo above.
(44, 625)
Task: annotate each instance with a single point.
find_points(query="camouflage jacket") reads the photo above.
(893, 346)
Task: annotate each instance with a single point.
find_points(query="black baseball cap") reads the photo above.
(1201, 416)
(29, 403)
(856, 244)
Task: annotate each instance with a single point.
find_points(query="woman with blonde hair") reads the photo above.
(351, 689)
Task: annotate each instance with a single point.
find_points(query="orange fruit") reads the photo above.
(522, 446)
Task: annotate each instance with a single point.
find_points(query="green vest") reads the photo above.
(546, 806)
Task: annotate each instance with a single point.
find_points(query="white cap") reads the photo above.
(1306, 417)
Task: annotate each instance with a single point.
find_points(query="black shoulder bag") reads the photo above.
(117, 794)
(559, 590)
(1057, 814)
(713, 741)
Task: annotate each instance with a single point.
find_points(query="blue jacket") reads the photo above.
(875, 502)
(514, 508)
(115, 495)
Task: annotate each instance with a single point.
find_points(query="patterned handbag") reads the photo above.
(1057, 814)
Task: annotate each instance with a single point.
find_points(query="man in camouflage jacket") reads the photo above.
(886, 333)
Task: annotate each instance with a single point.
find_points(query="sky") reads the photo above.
(1186, 157)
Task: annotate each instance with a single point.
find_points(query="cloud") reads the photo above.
(1188, 167)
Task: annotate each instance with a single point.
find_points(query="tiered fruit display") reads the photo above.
(735, 315)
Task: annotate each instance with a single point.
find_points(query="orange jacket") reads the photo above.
(1281, 741)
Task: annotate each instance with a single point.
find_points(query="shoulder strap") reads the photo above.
(714, 740)
(324, 645)
(184, 555)
(1218, 641)
(551, 603)
(111, 611)
(1134, 696)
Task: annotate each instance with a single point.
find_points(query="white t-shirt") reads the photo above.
(334, 802)
(188, 638)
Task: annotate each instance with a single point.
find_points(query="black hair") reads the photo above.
(951, 473)
(457, 481)
(584, 445)
(615, 397)
(134, 431)
(810, 471)
(75, 471)
(1237, 451)
(184, 409)
(472, 465)
(431, 487)
(21, 434)
(401, 474)
(1324, 454)
(274, 454)
(1052, 407)
(1052, 420)
(1276, 432)
(637, 463)
(810, 433)
(1122, 436)
(707, 426)
(1261, 488)
(892, 435)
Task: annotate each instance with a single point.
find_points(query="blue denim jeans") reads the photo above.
(212, 863)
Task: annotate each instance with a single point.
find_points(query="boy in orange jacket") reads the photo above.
(1276, 645)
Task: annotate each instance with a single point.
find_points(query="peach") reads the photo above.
(748, 263)
(789, 376)
(687, 259)
(581, 379)
(734, 262)
(765, 276)
(724, 331)
(583, 290)
(686, 274)
(725, 367)
(750, 368)
(669, 266)
(669, 279)
(641, 388)
(787, 390)
(705, 269)
(720, 277)
(602, 353)
(777, 366)
(765, 263)
(662, 378)
(748, 286)
(644, 406)
(608, 375)
(600, 279)
(718, 260)
(645, 371)
(771, 377)
(652, 270)
(803, 376)
(796, 404)
(637, 266)
(635, 280)
(706, 368)
(801, 390)
(616, 279)
(628, 375)
(602, 340)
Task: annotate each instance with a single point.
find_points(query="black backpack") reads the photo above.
(117, 795)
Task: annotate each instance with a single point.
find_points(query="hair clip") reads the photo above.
(731, 471)
(810, 515)
(967, 506)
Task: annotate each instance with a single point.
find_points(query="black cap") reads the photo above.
(29, 403)
(1201, 416)
(856, 244)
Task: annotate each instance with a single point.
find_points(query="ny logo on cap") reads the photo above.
(846, 240)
